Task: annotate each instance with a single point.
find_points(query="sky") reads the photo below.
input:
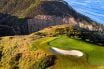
(91, 8)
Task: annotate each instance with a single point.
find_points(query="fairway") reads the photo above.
(92, 59)
(94, 54)
(69, 62)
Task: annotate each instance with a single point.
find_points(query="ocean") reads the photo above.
(91, 8)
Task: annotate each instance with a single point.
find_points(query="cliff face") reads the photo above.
(24, 17)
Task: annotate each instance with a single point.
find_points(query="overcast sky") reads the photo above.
(92, 8)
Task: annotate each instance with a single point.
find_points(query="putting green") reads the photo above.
(94, 53)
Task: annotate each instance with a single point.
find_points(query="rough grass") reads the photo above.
(31, 50)
(19, 52)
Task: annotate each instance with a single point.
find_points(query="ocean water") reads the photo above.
(91, 8)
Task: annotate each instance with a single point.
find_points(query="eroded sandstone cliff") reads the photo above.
(24, 17)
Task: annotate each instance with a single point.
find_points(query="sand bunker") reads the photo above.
(66, 52)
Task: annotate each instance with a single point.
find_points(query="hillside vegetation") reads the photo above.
(50, 20)
(21, 52)
(18, 8)
(33, 52)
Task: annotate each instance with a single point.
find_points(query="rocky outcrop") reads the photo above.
(6, 30)
(42, 21)
(10, 25)
(39, 15)
(55, 12)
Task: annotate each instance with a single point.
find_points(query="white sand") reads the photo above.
(66, 52)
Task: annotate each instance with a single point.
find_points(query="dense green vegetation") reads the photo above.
(95, 37)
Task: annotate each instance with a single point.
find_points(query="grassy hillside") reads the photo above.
(20, 52)
(18, 8)
(32, 52)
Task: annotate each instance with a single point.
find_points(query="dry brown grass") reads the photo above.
(12, 46)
